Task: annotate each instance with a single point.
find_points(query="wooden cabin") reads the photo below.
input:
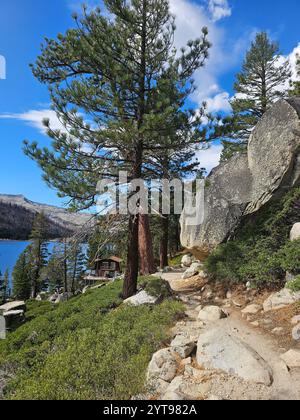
(108, 268)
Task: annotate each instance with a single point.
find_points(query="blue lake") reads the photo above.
(10, 251)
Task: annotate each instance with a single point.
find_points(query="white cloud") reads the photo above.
(219, 9)
(210, 158)
(219, 102)
(35, 118)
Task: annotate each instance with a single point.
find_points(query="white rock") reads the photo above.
(187, 388)
(219, 350)
(213, 398)
(211, 314)
(295, 232)
(182, 345)
(186, 261)
(172, 396)
(249, 285)
(292, 358)
(296, 332)
(163, 365)
(252, 309)
(157, 386)
(142, 298)
(195, 268)
(186, 362)
(255, 323)
(295, 320)
(63, 297)
(53, 298)
(281, 299)
(278, 331)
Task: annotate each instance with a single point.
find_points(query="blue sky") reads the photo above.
(24, 102)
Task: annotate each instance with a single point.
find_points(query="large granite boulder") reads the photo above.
(219, 350)
(163, 365)
(281, 299)
(248, 181)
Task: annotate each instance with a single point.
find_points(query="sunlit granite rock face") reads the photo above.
(248, 181)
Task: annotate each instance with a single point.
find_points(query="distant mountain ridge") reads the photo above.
(17, 214)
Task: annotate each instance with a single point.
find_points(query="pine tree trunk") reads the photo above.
(177, 233)
(74, 274)
(132, 271)
(65, 268)
(164, 242)
(147, 264)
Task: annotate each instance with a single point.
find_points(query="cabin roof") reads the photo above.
(113, 258)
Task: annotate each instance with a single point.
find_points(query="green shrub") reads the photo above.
(224, 262)
(260, 250)
(84, 349)
(289, 257)
(294, 285)
(176, 261)
(156, 287)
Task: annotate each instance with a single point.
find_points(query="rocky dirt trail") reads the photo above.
(224, 355)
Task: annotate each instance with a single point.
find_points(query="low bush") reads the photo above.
(260, 250)
(85, 349)
(157, 287)
(294, 285)
(176, 261)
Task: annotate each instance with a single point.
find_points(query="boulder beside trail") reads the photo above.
(248, 181)
(163, 366)
(219, 350)
(281, 299)
(141, 298)
(252, 309)
(211, 314)
(186, 261)
(183, 345)
(194, 269)
(296, 333)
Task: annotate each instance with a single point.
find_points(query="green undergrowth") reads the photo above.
(294, 285)
(90, 347)
(176, 261)
(261, 251)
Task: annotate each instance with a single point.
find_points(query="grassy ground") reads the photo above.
(87, 348)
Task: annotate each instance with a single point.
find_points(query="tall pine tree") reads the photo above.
(260, 83)
(109, 80)
(38, 251)
(22, 276)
